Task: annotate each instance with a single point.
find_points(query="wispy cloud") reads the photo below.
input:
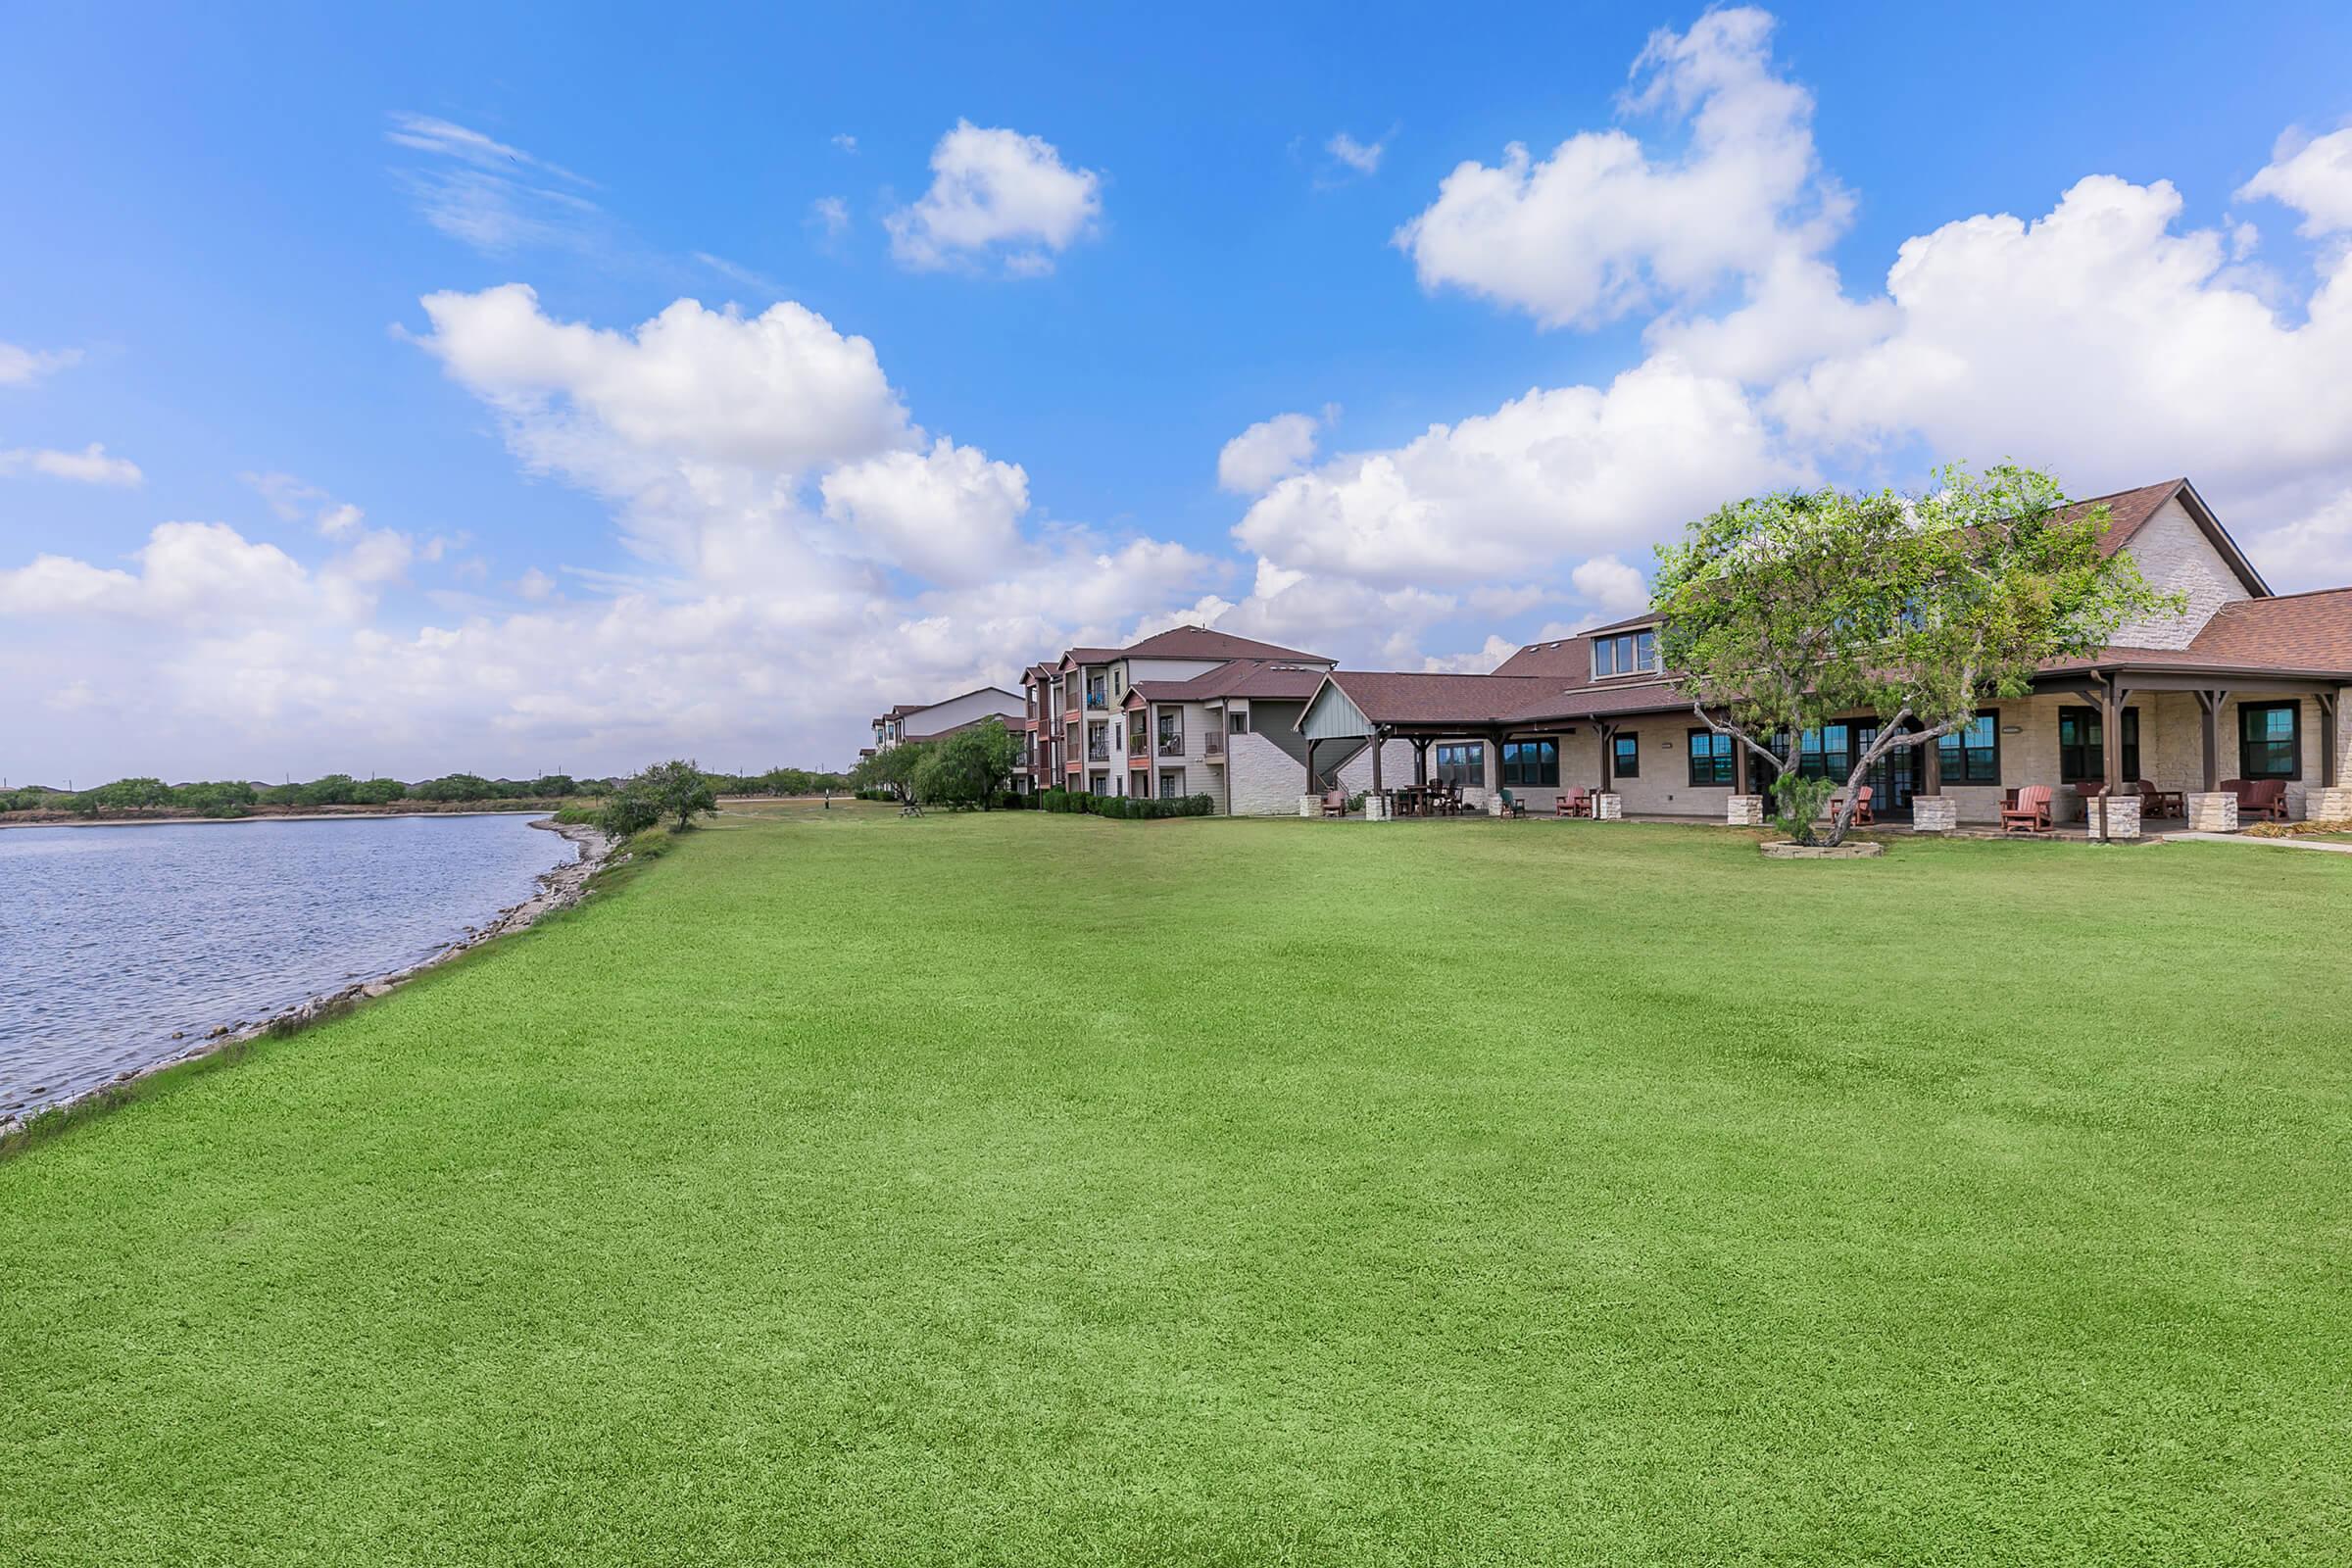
(21, 367)
(737, 272)
(844, 142)
(829, 216)
(492, 196)
(90, 466)
(1362, 157)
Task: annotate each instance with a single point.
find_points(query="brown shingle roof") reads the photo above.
(2300, 631)
(1199, 642)
(1239, 677)
(1404, 697)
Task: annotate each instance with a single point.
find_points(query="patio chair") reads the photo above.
(1512, 805)
(2155, 803)
(1335, 803)
(1864, 816)
(2031, 813)
(1572, 803)
(2260, 797)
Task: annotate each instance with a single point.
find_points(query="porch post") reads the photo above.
(2111, 747)
(1932, 781)
(2330, 737)
(2209, 705)
(1310, 768)
(1421, 762)
(1607, 734)
(1376, 760)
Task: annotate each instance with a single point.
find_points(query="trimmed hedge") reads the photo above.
(1121, 809)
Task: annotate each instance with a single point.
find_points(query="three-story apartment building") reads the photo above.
(1158, 718)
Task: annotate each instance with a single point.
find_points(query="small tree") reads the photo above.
(1782, 613)
(894, 770)
(969, 767)
(679, 789)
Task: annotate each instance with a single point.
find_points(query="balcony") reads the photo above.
(1171, 745)
(1213, 744)
(1097, 703)
(1098, 754)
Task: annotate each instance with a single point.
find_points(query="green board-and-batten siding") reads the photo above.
(1334, 716)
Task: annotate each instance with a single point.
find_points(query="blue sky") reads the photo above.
(492, 537)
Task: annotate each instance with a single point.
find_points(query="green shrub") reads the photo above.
(1801, 800)
(628, 811)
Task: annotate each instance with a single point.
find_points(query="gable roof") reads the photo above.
(1239, 677)
(1407, 697)
(1199, 642)
(2130, 511)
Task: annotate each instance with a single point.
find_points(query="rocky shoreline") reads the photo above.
(558, 889)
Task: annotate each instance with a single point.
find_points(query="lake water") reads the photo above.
(112, 938)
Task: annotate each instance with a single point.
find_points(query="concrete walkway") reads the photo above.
(2240, 838)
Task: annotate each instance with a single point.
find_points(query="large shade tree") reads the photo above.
(1784, 612)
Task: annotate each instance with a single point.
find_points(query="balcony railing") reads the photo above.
(1098, 754)
(1213, 744)
(1171, 745)
(1096, 702)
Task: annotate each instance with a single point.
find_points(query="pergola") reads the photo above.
(1359, 708)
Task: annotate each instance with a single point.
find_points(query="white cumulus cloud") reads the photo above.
(996, 192)
(1600, 227)
(2313, 176)
(1269, 449)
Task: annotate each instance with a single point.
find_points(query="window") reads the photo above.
(1171, 732)
(1531, 764)
(1237, 720)
(1097, 783)
(1971, 754)
(1625, 756)
(2270, 740)
(2082, 745)
(1463, 766)
(1114, 683)
(1710, 759)
(1171, 783)
(1631, 653)
(1826, 753)
(1098, 741)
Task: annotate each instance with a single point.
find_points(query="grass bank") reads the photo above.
(1024, 1189)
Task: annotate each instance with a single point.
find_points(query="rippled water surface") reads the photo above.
(112, 938)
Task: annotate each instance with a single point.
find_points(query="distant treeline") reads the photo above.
(236, 797)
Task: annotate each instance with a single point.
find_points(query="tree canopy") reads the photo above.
(1783, 612)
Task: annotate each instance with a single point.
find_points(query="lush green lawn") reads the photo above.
(1022, 1188)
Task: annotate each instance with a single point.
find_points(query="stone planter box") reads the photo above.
(1608, 807)
(1851, 850)
(1744, 810)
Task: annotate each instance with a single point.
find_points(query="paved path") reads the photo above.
(2240, 838)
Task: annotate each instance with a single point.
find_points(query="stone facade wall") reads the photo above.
(1267, 780)
(1396, 768)
(2174, 554)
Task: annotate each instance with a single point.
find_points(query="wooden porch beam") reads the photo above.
(2330, 735)
(2209, 714)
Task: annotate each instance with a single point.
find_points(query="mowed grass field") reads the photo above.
(1016, 1188)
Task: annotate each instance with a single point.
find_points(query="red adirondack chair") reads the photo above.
(1335, 803)
(1864, 816)
(1572, 803)
(2031, 813)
